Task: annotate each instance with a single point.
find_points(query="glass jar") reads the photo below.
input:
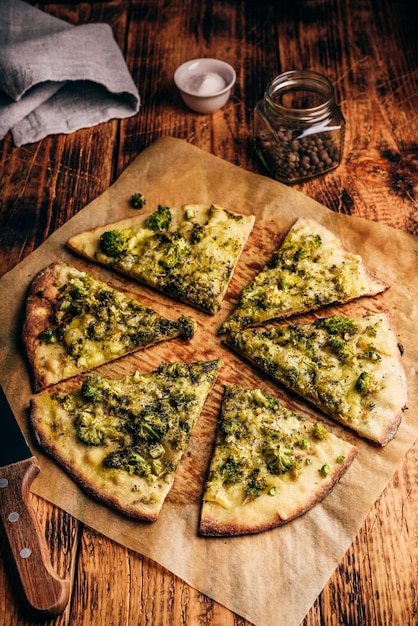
(298, 127)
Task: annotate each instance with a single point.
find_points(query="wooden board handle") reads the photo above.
(44, 590)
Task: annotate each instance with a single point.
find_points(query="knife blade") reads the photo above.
(44, 590)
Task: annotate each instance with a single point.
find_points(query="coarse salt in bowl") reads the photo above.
(205, 84)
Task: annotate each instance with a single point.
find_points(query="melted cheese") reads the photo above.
(310, 269)
(252, 431)
(192, 269)
(94, 323)
(126, 445)
(355, 377)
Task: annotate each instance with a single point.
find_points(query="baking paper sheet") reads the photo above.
(272, 578)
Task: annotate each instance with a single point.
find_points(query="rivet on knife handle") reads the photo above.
(44, 590)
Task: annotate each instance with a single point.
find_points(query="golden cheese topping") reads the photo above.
(123, 439)
(269, 464)
(188, 252)
(90, 323)
(309, 270)
(348, 367)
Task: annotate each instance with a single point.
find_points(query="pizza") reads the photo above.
(269, 465)
(122, 440)
(188, 252)
(348, 367)
(309, 270)
(75, 322)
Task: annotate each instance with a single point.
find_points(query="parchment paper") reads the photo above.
(271, 578)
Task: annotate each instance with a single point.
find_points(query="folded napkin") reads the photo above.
(58, 78)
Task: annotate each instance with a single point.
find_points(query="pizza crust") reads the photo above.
(298, 285)
(53, 362)
(201, 278)
(80, 464)
(126, 491)
(378, 423)
(264, 514)
(281, 496)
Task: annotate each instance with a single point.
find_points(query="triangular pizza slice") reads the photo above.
(122, 440)
(348, 367)
(310, 269)
(75, 322)
(269, 465)
(188, 252)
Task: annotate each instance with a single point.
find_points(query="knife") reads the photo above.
(43, 589)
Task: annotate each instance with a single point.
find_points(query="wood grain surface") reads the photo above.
(369, 49)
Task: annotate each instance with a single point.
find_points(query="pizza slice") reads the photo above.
(74, 323)
(269, 465)
(122, 440)
(188, 253)
(348, 367)
(310, 269)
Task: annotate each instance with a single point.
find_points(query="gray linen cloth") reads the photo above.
(56, 77)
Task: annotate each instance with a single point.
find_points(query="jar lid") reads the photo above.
(301, 94)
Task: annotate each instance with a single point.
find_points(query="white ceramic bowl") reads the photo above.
(205, 84)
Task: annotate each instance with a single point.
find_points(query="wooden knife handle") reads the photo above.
(44, 590)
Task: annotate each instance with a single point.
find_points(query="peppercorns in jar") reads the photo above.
(298, 128)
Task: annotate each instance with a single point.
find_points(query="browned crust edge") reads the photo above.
(71, 469)
(43, 439)
(380, 287)
(93, 233)
(38, 310)
(209, 525)
(319, 307)
(386, 436)
(37, 314)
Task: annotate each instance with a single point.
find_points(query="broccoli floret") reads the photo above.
(279, 458)
(48, 336)
(232, 429)
(160, 219)
(371, 331)
(311, 243)
(337, 325)
(89, 429)
(320, 431)
(92, 389)
(339, 346)
(287, 280)
(138, 200)
(197, 233)
(113, 242)
(152, 426)
(292, 376)
(177, 250)
(230, 471)
(136, 464)
(255, 485)
(180, 436)
(366, 383)
(188, 326)
(130, 461)
(372, 355)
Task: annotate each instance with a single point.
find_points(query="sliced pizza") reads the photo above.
(268, 466)
(310, 269)
(122, 440)
(188, 253)
(75, 322)
(348, 367)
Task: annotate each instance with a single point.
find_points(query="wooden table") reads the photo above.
(369, 49)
